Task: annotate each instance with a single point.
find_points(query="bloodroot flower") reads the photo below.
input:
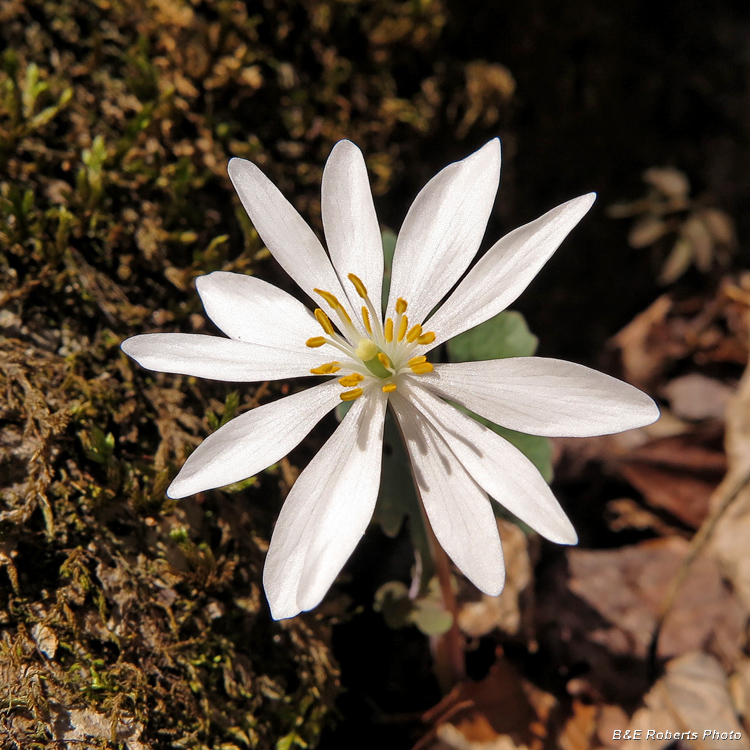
(376, 360)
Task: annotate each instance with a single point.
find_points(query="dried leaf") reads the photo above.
(647, 230)
(678, 473)
(478, 618)
(693, 697)
(696, 396)
(626, 588)
(668, 180)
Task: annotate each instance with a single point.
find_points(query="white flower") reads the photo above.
(457, 462)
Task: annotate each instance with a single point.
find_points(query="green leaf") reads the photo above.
(392, 601)
(431, 617)
(426, 612)
(397, 499)
(537, 449)
(505, 335)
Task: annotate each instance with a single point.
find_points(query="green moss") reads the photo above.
(128, 619)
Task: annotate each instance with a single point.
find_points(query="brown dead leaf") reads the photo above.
(644, 343)
(626, 587)
(693, 696)
(695, 397)
(503, 712)
(481, 616)
(679, 473)
(668, 180)
(82, 726)
(580, 728)
(729, 541)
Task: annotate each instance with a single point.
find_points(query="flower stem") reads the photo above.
(447, 648)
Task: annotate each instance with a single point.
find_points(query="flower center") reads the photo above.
(378, 358)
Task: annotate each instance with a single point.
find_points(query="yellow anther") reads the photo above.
(315, 342)
(389, 388)
(383, 359)
(324, 321)
(366, 320)
(327, 369)
(350, 395)
(401, 305)
(426, 338)
(414, 333)
(422, 368)
(416, 361)
(402, 326)
(388, 330)
(348, 381)
(329, 298)
(334, 303)
(366, 349)
(358, 285)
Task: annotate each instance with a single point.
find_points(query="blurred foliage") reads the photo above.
(128, 619)
(683, 231)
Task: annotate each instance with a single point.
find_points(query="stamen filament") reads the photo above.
(389, 388)
(351, 395)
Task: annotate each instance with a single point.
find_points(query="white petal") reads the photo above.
(254, 311)
(351, 224)
(506, 270)
(497, 466)
(285, 232)
(253, 441)
(218, 358)
(543, 396)
(443, 229)
(459, 512)
(327, 511)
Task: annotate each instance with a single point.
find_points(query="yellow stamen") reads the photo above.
(351, 380)
(315, 342)
(422, 368)
(402, 326)
(366, 320)
(414, 333)
(416, 361)
(389, 388)
(358, 285)
(388, 330)
(383, 359)
(401, 305)
(335, 304)
(426, 338)
(329, 298)
(350, 395)
(324, 321)
(327, 369)
(366, 349)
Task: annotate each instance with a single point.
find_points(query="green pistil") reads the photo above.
(377, 368)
